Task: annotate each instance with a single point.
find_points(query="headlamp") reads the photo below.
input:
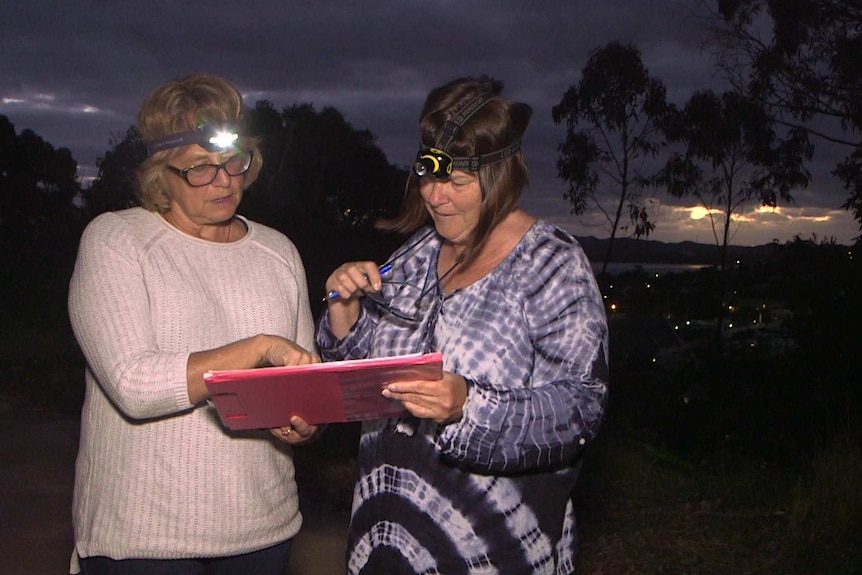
(439, 163)
(213, 138)
(435, 162)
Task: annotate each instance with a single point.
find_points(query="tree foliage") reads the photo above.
(318, 168)
(114, 186)
(802, 58)
(39, 221)
(732, 156)
(323, 183)
(613, 118)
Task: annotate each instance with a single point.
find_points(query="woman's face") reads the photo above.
(454, 204)
(213, 203)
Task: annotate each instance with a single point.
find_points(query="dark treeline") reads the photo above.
(732, 366)
(325, 183)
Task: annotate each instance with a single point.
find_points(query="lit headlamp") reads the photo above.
(211, 137)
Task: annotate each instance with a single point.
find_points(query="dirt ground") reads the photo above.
(38, 450)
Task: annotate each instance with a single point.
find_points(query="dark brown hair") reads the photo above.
(498, 123)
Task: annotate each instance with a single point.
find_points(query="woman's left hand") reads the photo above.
(296, 433)
(441, 400)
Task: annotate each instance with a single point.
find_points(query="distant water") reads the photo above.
(615, 269)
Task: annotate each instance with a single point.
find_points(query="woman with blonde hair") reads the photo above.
(161, 294)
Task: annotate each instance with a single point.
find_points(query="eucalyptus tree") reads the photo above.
(39, 220)
(115, 182)
(613, 120)
(732, 156)
(802, 59)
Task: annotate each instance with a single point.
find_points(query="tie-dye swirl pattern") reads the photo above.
(490, 493)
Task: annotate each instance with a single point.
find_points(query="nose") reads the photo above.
(222, 179)
(436, 191)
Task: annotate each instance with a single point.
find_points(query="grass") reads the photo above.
(644, 511)
(643, 508)
(40, 362)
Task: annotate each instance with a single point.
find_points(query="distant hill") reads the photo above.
(627, 250)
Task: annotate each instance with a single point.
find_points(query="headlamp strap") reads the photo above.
(438, 160)
(208, 136)
(473, 163)
(172, 141)
(452, 128)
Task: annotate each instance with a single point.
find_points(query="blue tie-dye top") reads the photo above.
(489, 493)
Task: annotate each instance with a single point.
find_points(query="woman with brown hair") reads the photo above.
(479, 478)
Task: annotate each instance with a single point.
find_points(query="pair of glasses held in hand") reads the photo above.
(412, 300)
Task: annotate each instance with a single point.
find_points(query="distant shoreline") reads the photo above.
(617, 268)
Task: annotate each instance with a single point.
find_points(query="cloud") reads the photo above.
(77, 72)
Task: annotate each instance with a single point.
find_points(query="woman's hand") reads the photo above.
(352, 279)
(297, 433)
(441, 400)
(257, 351)
(349, 281)
(281, 351)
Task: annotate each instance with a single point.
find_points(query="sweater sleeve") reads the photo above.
(305, 321)
(109, 313)
(357, 343)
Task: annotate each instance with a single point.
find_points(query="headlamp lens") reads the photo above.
(433, 161)
(222, 139)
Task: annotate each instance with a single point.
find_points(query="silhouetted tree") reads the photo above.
(323, 183)
(319, 169)
(114, 185)
(802, 58)
(733, 155)
(612, 122)
(39, 221)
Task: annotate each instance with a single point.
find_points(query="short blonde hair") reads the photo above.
(180, 106)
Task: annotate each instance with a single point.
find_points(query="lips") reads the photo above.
(223, 199)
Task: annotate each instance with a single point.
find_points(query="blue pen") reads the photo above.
(334, 294)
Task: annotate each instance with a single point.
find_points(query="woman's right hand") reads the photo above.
(282, 351)
(257, 351)
(350, 281)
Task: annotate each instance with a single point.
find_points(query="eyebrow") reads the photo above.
(199, 159)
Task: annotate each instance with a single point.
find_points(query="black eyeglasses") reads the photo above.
(403, 300)
(205, 174)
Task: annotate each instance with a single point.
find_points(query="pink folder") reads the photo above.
(330, 392)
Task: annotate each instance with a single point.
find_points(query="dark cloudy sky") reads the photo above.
(76, 72)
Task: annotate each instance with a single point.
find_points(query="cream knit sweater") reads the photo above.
(157, 477)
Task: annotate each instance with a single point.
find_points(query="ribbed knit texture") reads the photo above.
(157, 477)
